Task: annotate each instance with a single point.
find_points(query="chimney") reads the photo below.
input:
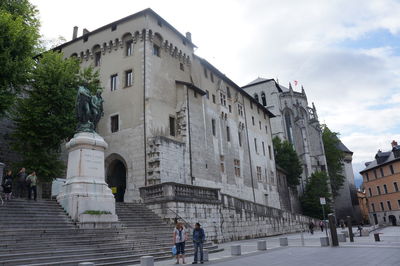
(189, 36)
(394, 143)
(75, 33)
(85, 31)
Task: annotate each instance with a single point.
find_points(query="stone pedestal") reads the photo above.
(283, 241)
(324, 241)
(261, 245)
(341, 237)
(236, 250)
(85, 191)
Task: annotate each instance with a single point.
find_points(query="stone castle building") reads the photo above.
(293, 121)
(170, 116)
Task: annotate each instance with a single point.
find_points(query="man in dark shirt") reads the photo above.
(198, 240)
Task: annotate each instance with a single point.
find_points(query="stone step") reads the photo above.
(112, 257)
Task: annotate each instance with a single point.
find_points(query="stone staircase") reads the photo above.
(40, 233)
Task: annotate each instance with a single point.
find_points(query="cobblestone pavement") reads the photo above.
(363, 251)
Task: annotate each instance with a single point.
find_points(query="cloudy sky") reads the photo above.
(345, 53)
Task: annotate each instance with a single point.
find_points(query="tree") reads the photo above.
(19, 31)
(286, 157)
(334, 159)
(316, 187)
(45, 116)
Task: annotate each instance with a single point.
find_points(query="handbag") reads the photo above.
(173, 250)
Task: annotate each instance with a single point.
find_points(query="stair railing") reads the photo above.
(177, 216)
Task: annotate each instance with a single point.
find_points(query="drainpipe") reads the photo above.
(144, 107)
(189, 135)
(248, 146)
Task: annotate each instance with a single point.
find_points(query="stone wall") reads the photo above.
(223, 217)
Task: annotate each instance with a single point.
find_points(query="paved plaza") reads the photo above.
(363, 251)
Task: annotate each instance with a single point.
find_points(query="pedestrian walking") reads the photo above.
(21, 186)
(321, 225)
(7, 186)
(32, 183)
(180, 236)
(198, 239)
(311, 227)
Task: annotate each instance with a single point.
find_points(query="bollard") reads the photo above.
(236, 250)
(147, 261)
(341, 237)
(86, 264)
(324, 241)
(283, 241)
(377, 238)
(205, 255)
(261, 245)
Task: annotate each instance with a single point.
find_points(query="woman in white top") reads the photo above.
(180, 236)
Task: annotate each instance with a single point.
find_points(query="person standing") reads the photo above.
(7, 186)
(21, 183)
(32, 183)
(311, 227)
(198, 240)
(180, 237)
(321, 225)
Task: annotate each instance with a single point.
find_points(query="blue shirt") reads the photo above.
(198, 235)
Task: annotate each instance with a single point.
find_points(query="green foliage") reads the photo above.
(334, 159)
(45, 116)
(286, 157)
(316, 187)
(19, 31)
(94, 212)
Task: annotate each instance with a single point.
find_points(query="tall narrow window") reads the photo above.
(373, 207)
(113, 82)
(205, 72)
(259, 176)
(240, 138)
(213, 127)
(381, 169)
(228, 134)
(207, 94)
(255, 144)
(256, 96)
(263, 99)
(376, 176)
(389, 205)
(129, 48)
(396, 188)
(370, 192)
(237, 167)
(288, 122)
(228, 92)
(212, 77)
(259, 123)
(366, 176)
(382, 207)
(156, 50)
(222, 163)
(270, 152)
(213, 98)
(172, 126)
(222, 99)
(114, 123)
(385, 189)
(263, 147)
(252, 120)
(378, 189)
(230, 108)
(240, 110)
(391, 169)
(128, 78)
(97, 59)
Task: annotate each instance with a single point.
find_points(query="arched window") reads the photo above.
(289, 129)
(256, 97)
(263, 99)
